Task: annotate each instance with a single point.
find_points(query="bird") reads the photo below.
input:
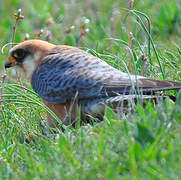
(68, 79)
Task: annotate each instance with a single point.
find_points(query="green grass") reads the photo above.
(144, 144)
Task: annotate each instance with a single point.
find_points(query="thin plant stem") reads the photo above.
(131, 2)
(14, 32)
(18, 17)
(151, 41)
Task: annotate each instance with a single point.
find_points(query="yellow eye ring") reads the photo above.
(16, 55)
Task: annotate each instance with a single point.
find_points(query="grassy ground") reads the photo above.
(142, 144)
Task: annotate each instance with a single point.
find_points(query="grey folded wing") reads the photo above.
(66, 74)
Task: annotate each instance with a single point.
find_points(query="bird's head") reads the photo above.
(27, 55)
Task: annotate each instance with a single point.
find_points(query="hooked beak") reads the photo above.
(10, 62)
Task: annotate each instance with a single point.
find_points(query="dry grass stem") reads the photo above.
(130, 39)
(144, 59)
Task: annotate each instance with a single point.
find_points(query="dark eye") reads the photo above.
(19, 54)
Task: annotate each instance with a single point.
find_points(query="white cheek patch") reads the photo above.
(29, 65)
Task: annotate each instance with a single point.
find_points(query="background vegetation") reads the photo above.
(143, 144)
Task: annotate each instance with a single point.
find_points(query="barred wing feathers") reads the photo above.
(65, 72)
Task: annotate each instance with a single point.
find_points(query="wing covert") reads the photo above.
(65, 72)
(61, 75)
